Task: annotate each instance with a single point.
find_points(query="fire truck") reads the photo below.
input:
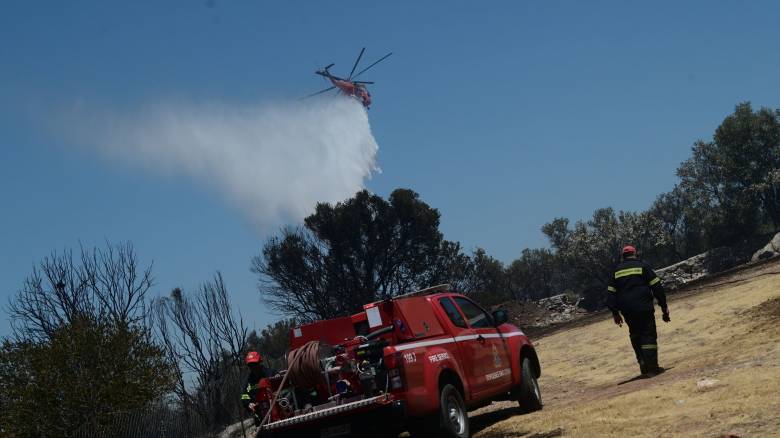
(417, 362)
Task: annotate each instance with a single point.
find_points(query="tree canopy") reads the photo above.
(735, 177)
(82, 350)
(357, 251)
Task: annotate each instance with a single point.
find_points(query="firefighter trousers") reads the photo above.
(641, 328)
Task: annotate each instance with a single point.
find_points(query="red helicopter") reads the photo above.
(349, 86)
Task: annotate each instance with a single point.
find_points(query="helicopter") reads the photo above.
(349, 86)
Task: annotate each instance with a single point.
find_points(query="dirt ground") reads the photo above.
(722, 352)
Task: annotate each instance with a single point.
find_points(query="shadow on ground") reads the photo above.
(642, 377)
(479, 422)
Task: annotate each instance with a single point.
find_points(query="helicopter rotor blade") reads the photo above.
(319, 92)
(362, 82)
(375, 63)
(356, 63)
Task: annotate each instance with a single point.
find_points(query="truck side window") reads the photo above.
(476, 316)
(452, 312)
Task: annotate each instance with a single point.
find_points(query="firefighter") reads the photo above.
(631, 289)
(256, 372)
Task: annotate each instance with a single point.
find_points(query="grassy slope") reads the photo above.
(728, 332)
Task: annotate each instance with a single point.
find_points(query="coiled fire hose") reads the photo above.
(303, 367)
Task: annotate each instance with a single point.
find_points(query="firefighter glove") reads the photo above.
(666, 316)
(618, 319)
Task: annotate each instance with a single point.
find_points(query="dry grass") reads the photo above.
(727, 333)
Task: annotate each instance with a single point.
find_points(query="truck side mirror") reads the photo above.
(500, 317)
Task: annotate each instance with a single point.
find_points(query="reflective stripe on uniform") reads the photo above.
(611, 289)
(649, 347)
(244, 396)
(654, 281)
(628, 271)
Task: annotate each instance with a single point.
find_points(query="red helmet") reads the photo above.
(628, 249)
(253, 357)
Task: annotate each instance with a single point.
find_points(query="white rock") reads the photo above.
(770, 250)
(705, 384)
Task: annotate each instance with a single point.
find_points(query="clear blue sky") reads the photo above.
(503, 115)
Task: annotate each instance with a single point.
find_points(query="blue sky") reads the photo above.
(503, 115)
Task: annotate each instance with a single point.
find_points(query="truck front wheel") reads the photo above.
(529, 396)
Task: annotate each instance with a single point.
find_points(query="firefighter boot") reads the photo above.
(650, 353)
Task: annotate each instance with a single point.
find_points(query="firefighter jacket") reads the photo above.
(252, 384)
(632, 286)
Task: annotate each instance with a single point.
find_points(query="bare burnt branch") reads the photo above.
(99, 283)
(206, 338)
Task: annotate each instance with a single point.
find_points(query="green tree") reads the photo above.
(82, 349)
(450, 265)
(683, 219)
(538, 273)
(87, 372)
(357, 251)
(488, 282)
(735, 178)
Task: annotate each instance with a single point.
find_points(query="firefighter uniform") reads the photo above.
(631, 289)
(256, 372)
(253, 384)
(250, 391)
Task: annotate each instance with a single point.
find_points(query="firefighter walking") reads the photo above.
(630, 292)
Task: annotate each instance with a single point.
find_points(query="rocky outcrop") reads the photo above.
(772, 249)
(717, 260)
(559, 308)
(698, 266)
(534, 315)
(683, 272)
(239, 430)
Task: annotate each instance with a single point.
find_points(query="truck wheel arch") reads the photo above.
(530, 353)
(448, 375)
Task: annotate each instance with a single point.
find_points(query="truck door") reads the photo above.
(471, 356)
(495, 368)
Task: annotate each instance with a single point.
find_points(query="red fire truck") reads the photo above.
(417, 362)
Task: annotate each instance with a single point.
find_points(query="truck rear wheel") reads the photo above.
(529, 396)
(453, 417)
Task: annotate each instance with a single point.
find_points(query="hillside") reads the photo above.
(722, 352)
